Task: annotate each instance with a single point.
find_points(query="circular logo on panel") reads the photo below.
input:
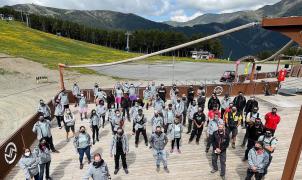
(10, 153)
(218, 90)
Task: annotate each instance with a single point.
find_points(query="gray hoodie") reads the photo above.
(95, 121)
(179, 108)
(259, 161)
(158, 142)
(59, 111)
(169, 116)
(29, 165)
(100, 173)
(77, 139)
(158, 105)
(39, 127)
(156, 121)
(45, 110)
(225, 103)
(140, 122)
(125, 143)
(43, 156)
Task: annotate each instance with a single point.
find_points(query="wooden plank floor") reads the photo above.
(192, 163)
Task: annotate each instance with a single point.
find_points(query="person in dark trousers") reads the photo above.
(225, 103)
(126, 104)
(220, 142)
(192, 109)
(82, 145)
(201, 100)
(140, 126)
(30, 165)
(44, 110)
(232, 121)
(101, 110)
(272, 119)
(240, 102)
(213, 126)
(43, 130)
(110, 100)
(190, 95)
(255, 130)
(119, 148)
(42, 152)
(162, 92)
(213, 102)
(249, 122)
(199, 119)
(95, 123)
(184, 99)
(59, 113)
(257, 161)
(250, 105)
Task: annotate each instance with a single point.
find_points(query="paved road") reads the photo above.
(183, 71)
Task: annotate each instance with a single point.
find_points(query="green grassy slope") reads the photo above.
(18, 40)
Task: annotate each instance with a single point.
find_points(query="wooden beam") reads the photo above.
(61, 69)
(294, 152)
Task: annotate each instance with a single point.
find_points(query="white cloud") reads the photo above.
(180, 16)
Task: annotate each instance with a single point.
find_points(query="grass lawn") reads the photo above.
(18, 40)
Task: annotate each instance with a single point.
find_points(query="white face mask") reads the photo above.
(27, 154)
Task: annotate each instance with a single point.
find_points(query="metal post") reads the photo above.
(279, 59)
(294, 152)
(61, 69)
(173, 68)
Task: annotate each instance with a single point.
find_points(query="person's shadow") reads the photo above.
(131, 157)
(58, 172)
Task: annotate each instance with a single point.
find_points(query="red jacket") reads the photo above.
(211, 114)
(271, 120)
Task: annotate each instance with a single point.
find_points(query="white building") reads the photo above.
(202, 55)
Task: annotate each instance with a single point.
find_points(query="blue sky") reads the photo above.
(156, 10)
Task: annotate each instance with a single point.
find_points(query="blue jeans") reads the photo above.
(36, 177)
(160, 155)
(85, 150)
(46, 167)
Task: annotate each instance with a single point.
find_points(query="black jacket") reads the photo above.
(190, 93)
(201, 100)
(255, 132)
(125, 102)
(250, 105)
(213, 102)
(221, 141)
(239, 102)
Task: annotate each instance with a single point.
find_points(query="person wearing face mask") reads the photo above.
(240, 102)
(110, 100)
(126, 87)
(95, 89)
(199, 119)
(126, 105)
(201, 90)
(212, 113)
(190, 95)
(133, 114)
(193, 108)
(82, 143)
(117, 121)
(63, 97)
(169, 116)
(95, 123)
(213, 126)
(201, 100)
(250, 105)
(76, 93)
(225, 103)
(132, 93)
(118, 96)
(220, 142)
(119, 148)
(44, 110)
(30, 165)
(269, 145)
(158, 104)
(100, 95)
(69, 122)
(158, 142)
(250, 121)
(111, 115)
(184, 100)
(101, 110)
(213, 102)
(254, 131)
(174, 132)
(162, 92)
(140, 122)
(257, 161)
(156, 120)
(83, 106)
(43, 130)
(59, 113)
(42, 152)
(173, 92)
(179, 108)
(232, 121)
(98, 170)
(153, 90)
(272, 119)
(147, 97)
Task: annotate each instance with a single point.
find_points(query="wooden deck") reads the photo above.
(192, 163)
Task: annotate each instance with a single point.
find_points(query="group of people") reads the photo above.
(167, 124)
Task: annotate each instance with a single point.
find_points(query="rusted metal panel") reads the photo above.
(285, 21)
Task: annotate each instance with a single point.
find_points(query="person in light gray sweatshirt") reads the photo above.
(95, 123)
(63, 97)
(258, 159)
(225, 103)
(98, 170)
(44, 110)
(43, 130)
(69, 120)
(42, 152)
(30, 165)
(59, 113)
(76, 93)
(82, 144)
(119, 148)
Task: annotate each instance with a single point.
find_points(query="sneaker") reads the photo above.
(197, 142)
(136, 145)
(81, 119)
(243, 159)
(213, 171)
(233, 145)
(146, 144)
(116, 171)
(60, 127)
(179, 151)
(93, 142)
(55, 151)
(171, 151)
(67, 140)
(189, 142)
(97, 140)
(242, 145)
(89, 162)
(188, 132)
(222, 177)
(81, 166)
(126, 171)
(207, 150)
(157, 168)
(166, 169)
(103, 126)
